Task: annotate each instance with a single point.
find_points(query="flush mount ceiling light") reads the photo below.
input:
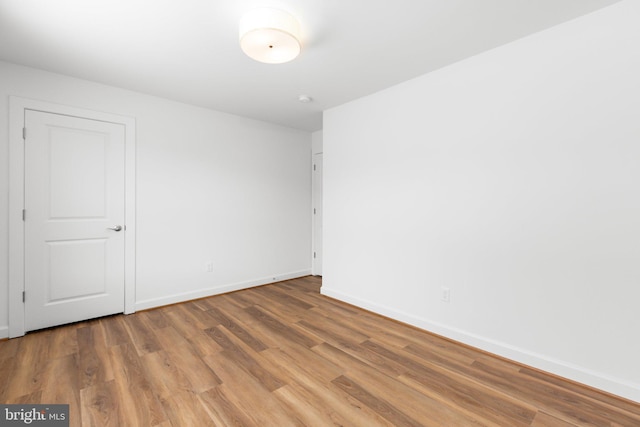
(270, 36)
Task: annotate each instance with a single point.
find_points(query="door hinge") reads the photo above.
(24, 133)
(314, 167)
(24, 214)
(314, 254)
(23, 296)
(314, 211)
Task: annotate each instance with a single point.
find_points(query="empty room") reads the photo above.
(320, 213)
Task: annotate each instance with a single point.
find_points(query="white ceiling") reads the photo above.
(187, 50)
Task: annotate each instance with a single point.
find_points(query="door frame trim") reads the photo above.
(314, 231)
(17, 107)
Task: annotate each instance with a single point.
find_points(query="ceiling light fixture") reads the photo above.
(270, 36)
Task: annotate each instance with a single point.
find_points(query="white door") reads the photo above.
(74, 219)
(317, 214)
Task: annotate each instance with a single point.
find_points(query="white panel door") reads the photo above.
(74, 219)
(317, 217)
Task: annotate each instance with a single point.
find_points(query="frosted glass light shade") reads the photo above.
(270, 36)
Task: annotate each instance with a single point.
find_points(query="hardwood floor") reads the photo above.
(283, 355)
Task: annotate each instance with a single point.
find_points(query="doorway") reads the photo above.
(72, 215)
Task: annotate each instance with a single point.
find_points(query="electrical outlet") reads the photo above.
(210, 267)
(446, 294)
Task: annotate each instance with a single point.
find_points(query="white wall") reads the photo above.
(316, 142)
(513, 179)
(210, 187)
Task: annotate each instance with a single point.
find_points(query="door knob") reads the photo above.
(116, 228)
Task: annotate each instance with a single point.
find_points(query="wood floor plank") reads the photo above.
(458, 389)
(299, 401)
(34, 398)
(306, 287)
(302, 363)
(401, 335)
(546, 420)
(29, 367)
(244, 360)
(313, 381)
(238, 298)
(284, 298)
(378, 405)
(188, 319)
(115, 331)
(173, 390)
(100, 406)
(65, 389)
(193, 368)
(288, 332)
(614, 404)
(249, 394)
(93, 362)
(140, 403)
(233, 327)
(335, 330)
(559, 402)
(502, 377)
(202, 344)
(222, 411)
(313, 375)
(7, 371)
(199, 313)
(432, 352)
(156, 318)
(142, 334)
(259, 330)
(433, 411)
(64, 342)
(466, 394)
(289, 313)
(184, 408)
(163, 375)
(8, 348)
(285, 355)
(358, 351)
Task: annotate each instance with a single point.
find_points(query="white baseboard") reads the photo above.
(207, 292)
(617, 386)
(4, 332)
